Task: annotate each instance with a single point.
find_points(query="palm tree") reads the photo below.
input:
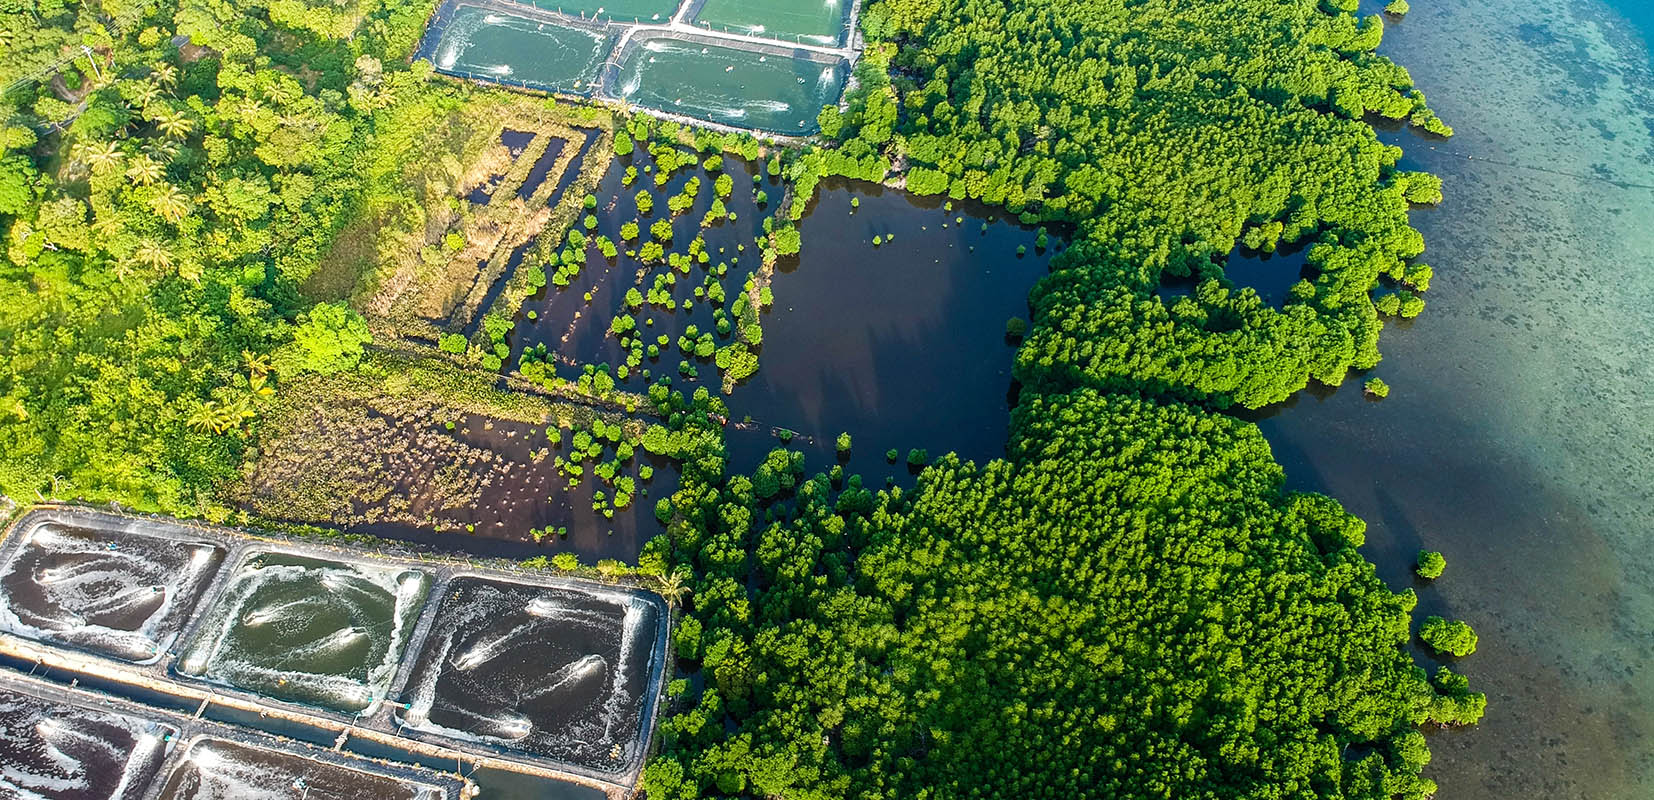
(170, 204)
(145, 94)
(174, 124)
(257, 363)
(164, 74)
(145, 171)
(108, 225)
(102, 157)
(151, 253)
(673, 588)
(162, 150)
(279, 93)
(248, 107)
(204, 419)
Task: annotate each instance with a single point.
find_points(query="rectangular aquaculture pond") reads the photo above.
(770, 88)
(820, 22)
(476, 42)
(567, 674)
(113, 591)
(308, 630)
(214, 769)
(54, 751)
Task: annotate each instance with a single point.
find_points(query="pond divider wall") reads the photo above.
(377, 722)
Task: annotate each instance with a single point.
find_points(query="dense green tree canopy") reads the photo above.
(1165, 131)
(1129, 607)
(159, 208)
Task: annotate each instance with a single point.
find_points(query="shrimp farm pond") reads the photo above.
(306, 630)
(115, 593)
(765, 67)
(390, 656)
(49, 750)
(540, 669)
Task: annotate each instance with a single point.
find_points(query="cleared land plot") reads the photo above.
(769, 89)
(478, 42)
(560, 673)
(50, 751)
(305, 630)
(117, 593)
(377, 456)
(466, 181)
(218, 768)
(809, 21)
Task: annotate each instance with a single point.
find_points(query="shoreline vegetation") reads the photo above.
(236, 243)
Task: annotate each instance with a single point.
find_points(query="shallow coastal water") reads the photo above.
(1519, 437)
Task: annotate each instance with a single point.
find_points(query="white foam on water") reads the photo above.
(828, 78)
(221, 775)
(773, 106)
(636, 607)
(419, 709)
(574, 671)
(52, 735)
(502, 70)
(265, 615)
(456, 39)
(544, 606)
(208, 657)
(488, 649)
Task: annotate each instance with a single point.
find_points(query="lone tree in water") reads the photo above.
(1431, 564)
(1448, 636)
(1016, 328)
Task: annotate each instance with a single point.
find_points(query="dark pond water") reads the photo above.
(542, 167)
(1271, 274)
(310, 631)
(577, 330)
(57, 752)
(903, 344)
(121, 594)
(546, 671)
(1519, 438)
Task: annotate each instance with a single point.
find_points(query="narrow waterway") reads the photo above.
(1519, 437)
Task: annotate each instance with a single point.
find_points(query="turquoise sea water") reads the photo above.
(1519, 437)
